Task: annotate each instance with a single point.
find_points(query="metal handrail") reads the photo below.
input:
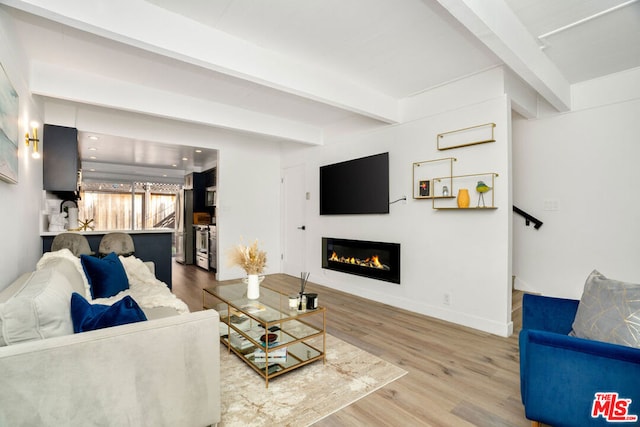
(528, 218)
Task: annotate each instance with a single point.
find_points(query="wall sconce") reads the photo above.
(34, 138)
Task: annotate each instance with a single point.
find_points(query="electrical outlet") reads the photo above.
(446, 298)
(551, 205)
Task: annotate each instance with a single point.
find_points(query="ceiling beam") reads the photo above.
(143, 25)
(495, 24)
(73, 85)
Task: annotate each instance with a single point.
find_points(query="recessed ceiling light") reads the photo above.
(175, 166)
(93, 138)
(198, 151)
(92, 157)
(184, 159)
(92, 170)
(93, 149)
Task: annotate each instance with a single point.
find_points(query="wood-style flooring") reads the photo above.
(457, 376)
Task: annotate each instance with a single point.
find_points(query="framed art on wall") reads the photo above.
(8, 129)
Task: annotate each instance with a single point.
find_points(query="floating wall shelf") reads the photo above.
(479, 200)
(468, 136)
(423, 182)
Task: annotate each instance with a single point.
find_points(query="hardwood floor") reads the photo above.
(457, 376)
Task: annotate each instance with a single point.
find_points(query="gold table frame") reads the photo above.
(247, 320)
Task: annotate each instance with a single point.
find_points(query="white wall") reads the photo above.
(586, 162)
(465, 254)
(20, 245)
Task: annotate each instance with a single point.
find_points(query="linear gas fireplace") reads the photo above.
(376, 260)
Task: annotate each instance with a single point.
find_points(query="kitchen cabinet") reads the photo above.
(196, 181)
(210, 177)
(60, 159)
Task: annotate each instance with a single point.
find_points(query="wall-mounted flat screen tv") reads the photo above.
(359, 186)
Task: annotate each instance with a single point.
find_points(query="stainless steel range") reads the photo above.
(202, 246)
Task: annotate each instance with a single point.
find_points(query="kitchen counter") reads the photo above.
(103, 232)
(151, 245)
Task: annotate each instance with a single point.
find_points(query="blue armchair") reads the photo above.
(569, 381)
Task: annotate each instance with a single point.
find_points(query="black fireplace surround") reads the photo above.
(376, 260)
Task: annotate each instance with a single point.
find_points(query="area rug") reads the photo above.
(304, 396)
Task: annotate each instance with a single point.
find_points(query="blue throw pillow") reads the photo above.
(87, 317)
(106, 276)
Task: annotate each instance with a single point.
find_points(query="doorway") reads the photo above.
(293, 220)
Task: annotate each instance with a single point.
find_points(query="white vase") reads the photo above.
(253, 286)
(72, 218)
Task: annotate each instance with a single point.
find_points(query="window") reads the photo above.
(128, 206)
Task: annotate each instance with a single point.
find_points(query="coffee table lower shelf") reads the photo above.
(296, 337)
(298, 354)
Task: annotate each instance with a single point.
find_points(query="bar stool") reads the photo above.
(76, 243)
(120, 243)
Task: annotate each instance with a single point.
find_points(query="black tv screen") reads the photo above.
(359, 186)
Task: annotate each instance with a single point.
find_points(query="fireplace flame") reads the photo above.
(376, 262)
(371, 262)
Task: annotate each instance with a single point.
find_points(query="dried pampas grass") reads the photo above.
(249, 258)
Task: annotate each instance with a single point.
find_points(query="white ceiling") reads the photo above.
(608, 41)
(114, 158)
(306, 70)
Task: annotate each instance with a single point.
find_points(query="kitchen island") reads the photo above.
(151, 245)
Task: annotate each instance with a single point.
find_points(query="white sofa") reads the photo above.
(160, 372)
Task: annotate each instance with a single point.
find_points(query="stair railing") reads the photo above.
(528, 218)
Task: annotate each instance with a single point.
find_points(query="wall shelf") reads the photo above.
(473, 135)
(479, 201)
(423, 182)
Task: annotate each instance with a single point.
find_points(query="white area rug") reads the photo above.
(303, 396)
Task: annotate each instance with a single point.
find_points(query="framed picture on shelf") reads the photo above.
(425, 187)
(424, 182)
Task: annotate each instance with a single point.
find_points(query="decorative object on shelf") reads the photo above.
(253, 286)
(482, 188)
(268, 338)
(57, 221)
(253, 261)
(65, 205)
(483, 183)
(463, 198)
(423, 182)
(73, 219)
(302, 303)
(86, 224)
(473, 135)
(293, 302)
(312, 301)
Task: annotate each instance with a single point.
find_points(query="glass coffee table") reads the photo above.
(266, 334)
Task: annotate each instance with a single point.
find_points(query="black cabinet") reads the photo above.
(60, 158)
(197, 182)
(210, 177)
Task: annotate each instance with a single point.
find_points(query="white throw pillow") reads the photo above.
(40, 309)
